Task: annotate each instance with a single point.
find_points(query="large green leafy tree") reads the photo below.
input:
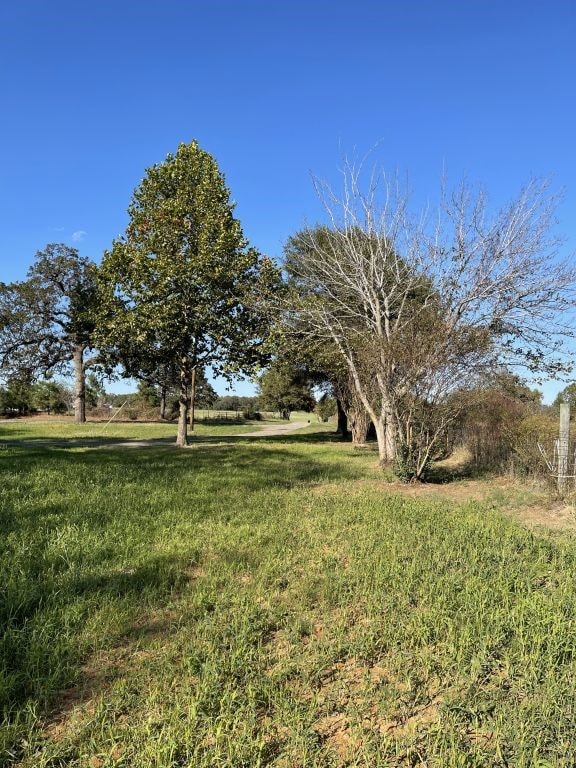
(47, 320)
(181, 287)
(285, 388)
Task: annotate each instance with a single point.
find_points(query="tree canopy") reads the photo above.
(182, 287)
(416, 311)
(47, 320)
(285, 388)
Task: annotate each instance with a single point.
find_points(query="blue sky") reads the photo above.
(94, 92)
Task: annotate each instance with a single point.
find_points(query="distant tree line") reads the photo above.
(20, 396)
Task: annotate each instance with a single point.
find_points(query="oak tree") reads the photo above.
(47, 320)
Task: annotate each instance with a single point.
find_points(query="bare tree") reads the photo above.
(417, 309)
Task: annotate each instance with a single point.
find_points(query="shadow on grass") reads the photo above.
(28, 441)
(44, 647)
(444, 472)
(52, 589)
(289, 438)
(32, 441)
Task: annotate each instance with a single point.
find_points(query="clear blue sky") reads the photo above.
(94, 92)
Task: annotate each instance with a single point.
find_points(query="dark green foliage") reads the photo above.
(285, 389)
(47, 316)
(252, 415)
(51, 396)
(47, 321)
(16, 397)
(181, 287)
(326, 407)
(235, 403)
(567, 395)
(95, 392)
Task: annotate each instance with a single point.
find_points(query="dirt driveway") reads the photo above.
(275, 430)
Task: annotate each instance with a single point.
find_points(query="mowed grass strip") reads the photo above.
(55, 429)
(273, 603)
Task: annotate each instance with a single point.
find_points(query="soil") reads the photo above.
(275, 430)
(539, 510)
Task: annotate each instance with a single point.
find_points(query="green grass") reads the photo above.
(273, 603)
(55, 429)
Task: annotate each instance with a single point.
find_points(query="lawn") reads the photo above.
(42, 429)
(273, 602)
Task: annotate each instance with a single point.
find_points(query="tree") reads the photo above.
(416, 311)
(50, 396)
(567, 395)
(17, 396)
(95, 392)
(317, 352)
(206, 395)
(285, 389)
(325, 407)
(181, 287)
(235, 403)
(165, 393)
(47, 321)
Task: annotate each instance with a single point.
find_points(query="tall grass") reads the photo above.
(273, 603)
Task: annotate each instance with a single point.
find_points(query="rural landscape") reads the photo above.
(287, 382)
(365, 564)
(275, 600)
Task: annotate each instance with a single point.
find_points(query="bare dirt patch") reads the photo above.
(557, 516)
(530, 505)
(276, 430)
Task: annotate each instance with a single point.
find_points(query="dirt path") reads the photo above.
(275, 430)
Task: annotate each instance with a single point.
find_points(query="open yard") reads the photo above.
(274, 602)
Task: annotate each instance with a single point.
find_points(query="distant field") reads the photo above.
(273, 603)
(53, 428)
(208, 423)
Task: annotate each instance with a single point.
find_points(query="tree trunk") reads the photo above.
(385, 436)
(342, 420)
(359, 423)
(390, 432)
(163, 403)
(380, 428)
(182, 437)
(192, 398)
(79, 385)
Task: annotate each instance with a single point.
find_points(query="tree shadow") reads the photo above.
(33, 441)
(43, 583)
(441, 473)
(46, 672)
(289, 438)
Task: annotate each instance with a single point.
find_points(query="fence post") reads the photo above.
(563, 447)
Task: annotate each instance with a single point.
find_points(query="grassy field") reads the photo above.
(42, 429)
(273, 602)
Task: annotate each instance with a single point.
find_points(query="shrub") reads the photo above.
(252, 415)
